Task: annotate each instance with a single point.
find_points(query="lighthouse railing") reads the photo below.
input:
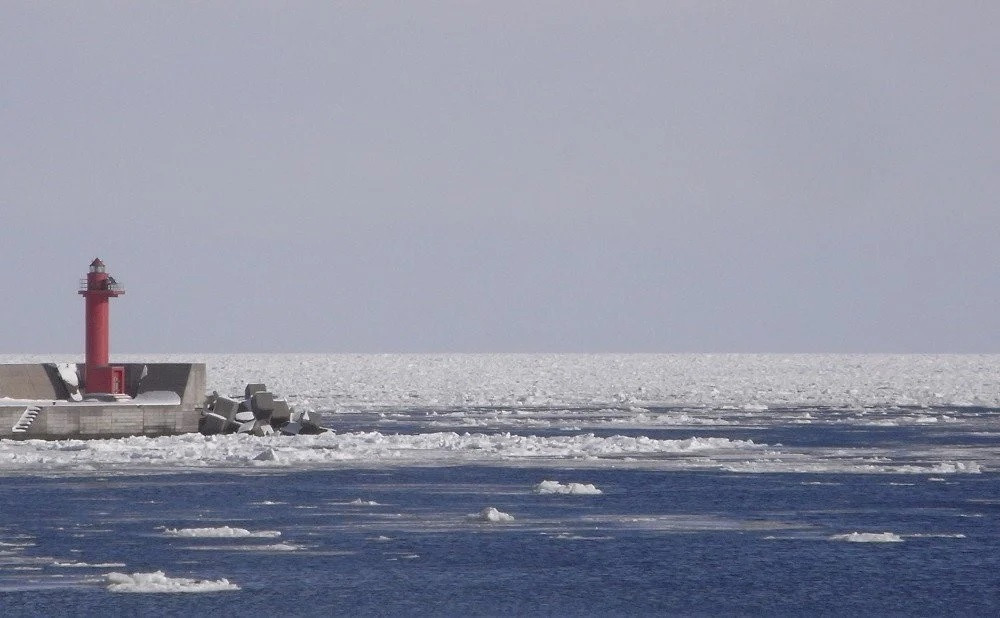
(112, 287)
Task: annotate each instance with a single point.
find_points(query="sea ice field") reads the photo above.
(532, 485)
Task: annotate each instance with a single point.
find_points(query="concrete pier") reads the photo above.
(159, 399)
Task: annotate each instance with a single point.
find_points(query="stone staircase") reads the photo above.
(27, 418)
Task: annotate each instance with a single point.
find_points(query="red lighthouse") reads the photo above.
(99, 376)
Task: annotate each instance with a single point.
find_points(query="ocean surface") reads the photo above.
(532, 485)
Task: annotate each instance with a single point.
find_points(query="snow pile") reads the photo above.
(555, 487)
(222, 532)
(868, 537)
(158, 581)
(491, 515)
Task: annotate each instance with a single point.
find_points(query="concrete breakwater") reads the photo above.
(40, 401)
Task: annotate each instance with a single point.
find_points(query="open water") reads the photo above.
(398, 539)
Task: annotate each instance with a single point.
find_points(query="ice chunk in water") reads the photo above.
(491, 515)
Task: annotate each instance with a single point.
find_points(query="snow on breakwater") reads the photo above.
(158, 582)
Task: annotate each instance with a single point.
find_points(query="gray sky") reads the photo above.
(507, 176)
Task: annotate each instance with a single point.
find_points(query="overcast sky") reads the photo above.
(504, 176)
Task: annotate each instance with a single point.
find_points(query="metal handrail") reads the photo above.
(111, 287)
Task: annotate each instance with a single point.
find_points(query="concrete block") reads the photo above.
(187, 421)
(162, 419)
(254, 388)
(291, 429)
(244, 417)
(263, 415)
(311, 423)
(246, 427)
(281, 414)
(227, 408)
(212, 423)
(127, 421)
(95, 421)
(261, 429)
(262, 401)
(262, 404)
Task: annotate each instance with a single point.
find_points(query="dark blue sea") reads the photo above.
(403, 540)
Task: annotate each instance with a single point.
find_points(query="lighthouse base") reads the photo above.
(104, 379)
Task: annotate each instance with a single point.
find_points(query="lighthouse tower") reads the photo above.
(97, 288)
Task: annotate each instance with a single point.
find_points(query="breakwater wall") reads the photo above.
(162, 399)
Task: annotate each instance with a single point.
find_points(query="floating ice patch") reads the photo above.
(197, 451)
(956, 467)
(20, 544)
(555, 487)
(819, 462)
(273, 547)
(360, 502)
(158, 581)
(221, 532)
(868, 537)
(491, 515)
(85, 565)
(569, 536)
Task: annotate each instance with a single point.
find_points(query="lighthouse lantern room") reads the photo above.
(99, 376)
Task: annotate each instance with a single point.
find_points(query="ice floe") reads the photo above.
(221, 532)
(158, 581)
(272, 547)
(414, 400)
(491, 515)
(849, 465)
(555, 487)
(197, 451)
(868, 537)
(936, 535)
